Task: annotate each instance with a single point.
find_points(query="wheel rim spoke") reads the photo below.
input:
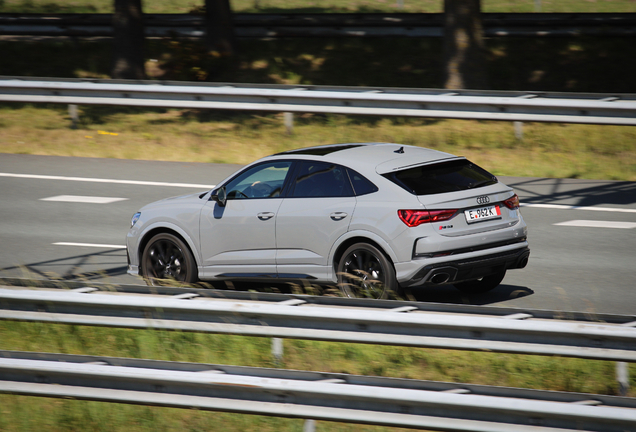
(165, 261)
(363, 274)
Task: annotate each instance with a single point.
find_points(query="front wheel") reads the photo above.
(364, 271)
(167, 258)
(481, 285)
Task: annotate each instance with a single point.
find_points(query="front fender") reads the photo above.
(170, 226)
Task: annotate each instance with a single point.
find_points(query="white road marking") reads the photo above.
(90, 245)
(598, 224)
(83, 199)
(571, 207)
(100, 180)
(202, 186)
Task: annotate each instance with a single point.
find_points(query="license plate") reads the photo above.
(482, 213)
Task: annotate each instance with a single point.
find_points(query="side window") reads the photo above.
(361, 185)
(262, 181)
(321, 179)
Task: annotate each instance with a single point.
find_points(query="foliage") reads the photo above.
(316, 6)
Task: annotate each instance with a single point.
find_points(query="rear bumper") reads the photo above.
(459, 270)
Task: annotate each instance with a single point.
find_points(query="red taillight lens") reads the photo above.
(512, 202)
(414, 218)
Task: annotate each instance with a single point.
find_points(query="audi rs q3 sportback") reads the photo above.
(371, 218)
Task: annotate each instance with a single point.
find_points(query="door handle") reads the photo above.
(265, 216)
(338, 216)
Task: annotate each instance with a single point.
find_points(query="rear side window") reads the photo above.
(456, 175)
(361, 185)
(321, 179)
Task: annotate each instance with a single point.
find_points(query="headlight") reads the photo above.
(134, 219)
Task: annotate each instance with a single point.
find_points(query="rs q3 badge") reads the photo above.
(483, 199)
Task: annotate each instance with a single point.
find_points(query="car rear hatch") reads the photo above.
(476, 210)
(462, 198)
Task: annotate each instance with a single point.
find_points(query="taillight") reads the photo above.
(414, 218)
(512, 202)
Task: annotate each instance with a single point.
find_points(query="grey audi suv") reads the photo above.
(371, 218)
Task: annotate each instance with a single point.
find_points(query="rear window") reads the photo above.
(361, 185)
(456, 175)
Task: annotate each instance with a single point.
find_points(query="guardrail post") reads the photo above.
(277, 350)
(537, 5)
(309, 426)
(518, 130)
(288, 119)
(72, 112)
(622, 376)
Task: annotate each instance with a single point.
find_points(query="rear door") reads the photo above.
(315, 213)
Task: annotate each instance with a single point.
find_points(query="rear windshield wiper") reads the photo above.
(482, 183)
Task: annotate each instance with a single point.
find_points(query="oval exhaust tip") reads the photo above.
(440, 278)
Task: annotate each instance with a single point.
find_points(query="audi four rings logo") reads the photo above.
(483, 200)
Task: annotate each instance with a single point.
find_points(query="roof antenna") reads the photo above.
(400, 150)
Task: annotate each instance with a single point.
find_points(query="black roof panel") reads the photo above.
(321, 150)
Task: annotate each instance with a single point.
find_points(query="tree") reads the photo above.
(220, 28)
(464, 50)
(128, 41)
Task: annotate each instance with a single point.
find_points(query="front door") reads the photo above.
(239, 239)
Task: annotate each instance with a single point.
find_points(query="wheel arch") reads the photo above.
(164, 229)
(361, 237)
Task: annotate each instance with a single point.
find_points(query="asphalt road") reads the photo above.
(582, 266)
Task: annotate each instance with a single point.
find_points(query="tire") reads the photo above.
(364, 272)
(167, 259)
(482, 285)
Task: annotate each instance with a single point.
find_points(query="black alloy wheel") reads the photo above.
(166, 258)
(482, 285)
(364, 272)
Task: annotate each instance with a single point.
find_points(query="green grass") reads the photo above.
(185, 6)
(547, 150)
(19, 413)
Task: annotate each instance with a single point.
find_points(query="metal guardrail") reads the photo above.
(296, 318)
(327, 25)
(314, 395)
(618, 109)
(317, 300)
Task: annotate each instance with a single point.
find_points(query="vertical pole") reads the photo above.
(72, 112)
(400, 4)
(309, 426)
(288, 119)
(537, 5)
(277, 350)
(622, 376)
(518, 130)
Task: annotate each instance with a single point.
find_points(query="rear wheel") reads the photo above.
(481, 285)
(364, 271)
(166, 259)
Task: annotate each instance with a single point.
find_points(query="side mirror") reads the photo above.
(220, 196)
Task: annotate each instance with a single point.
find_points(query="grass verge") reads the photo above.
(546, 150)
